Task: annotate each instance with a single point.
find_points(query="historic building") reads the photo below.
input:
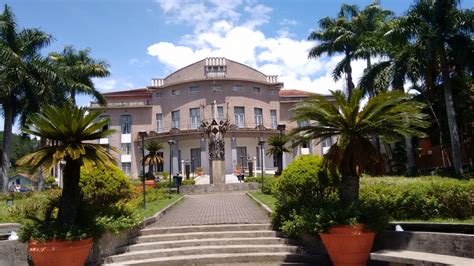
(174, 107)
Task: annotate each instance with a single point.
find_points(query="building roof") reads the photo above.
(294, 93)
(129, 93)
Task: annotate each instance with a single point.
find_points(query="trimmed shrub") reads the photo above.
(187, 182)
(270, 183)
(420, 198)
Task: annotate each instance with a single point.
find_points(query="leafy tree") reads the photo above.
(389, 115)
(76, 69)
(25, 78)
(278, 147)
(21, 145)
(71, 129)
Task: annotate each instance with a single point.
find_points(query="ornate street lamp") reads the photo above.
(261, 142)
(143, 135)
(280, 128)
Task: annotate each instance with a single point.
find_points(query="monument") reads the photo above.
(215, 131)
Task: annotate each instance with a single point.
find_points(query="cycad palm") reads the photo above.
(153, 158)
(71, 130)
(388, 115)
(278, 147)
(76, 69)
(25, 78)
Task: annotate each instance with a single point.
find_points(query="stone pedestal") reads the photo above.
(217, 175)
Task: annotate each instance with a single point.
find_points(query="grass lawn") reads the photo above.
(268, 200)
(155, 206)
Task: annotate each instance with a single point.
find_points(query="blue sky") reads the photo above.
(143, 39)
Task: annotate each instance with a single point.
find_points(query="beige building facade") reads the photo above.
(174, 107)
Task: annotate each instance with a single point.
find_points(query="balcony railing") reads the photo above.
(146, 103)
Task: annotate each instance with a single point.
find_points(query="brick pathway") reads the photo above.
(227, 208)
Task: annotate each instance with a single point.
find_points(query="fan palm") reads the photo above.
(277, 148)
(25, 78)
(389, 115)
(77, 68)
(153, 158)
(71, 130)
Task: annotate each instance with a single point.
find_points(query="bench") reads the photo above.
(405, 257)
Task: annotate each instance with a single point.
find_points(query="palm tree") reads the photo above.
(71, 129)
(25, 78)
(153, 158)
(277, 148)
(389, 115)
(354, 33)
(434, 40)
(77, 68)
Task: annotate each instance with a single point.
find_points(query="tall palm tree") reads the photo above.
(277, 148)
(389, 115)
(71, 129)
(153, 158)
(435, 41)
(77, 68)
(25, 78)
(354, 33)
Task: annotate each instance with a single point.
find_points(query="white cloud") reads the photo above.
(236, 36)
(133, 61)
(108, 84)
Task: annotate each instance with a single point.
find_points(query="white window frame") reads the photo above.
(257, 89)
(273, 119)
(175, 92)
(123, 128)
(215, 88)
(127, 168)
(193, 89)
(175, 123)
(258, 117)
(239, 117)
(126, 148)
(238, 88)
(195, 120)
(159, 123)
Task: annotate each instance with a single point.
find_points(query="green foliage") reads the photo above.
(20, 145)
(104, 187)
(187, 182)
(49, 180)
(420, 198)
(269, 183)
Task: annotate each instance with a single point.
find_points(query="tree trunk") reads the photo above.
(7, 144)
(40, 169)
(73, 97)
(350, 84)
(349, 189)
(411, 167)
(451, 115)
(71, 194)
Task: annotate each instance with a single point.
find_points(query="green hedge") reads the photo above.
(420, 198)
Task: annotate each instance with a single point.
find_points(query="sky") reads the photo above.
(145, 39)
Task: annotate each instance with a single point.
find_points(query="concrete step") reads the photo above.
(204, 235)
(204, 228)
(202, 250)
(253, 258)
(208, 242)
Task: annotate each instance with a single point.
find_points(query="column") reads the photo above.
(204, 154)
(233, 146)
(175, 159)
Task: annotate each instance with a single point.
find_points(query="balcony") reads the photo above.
(134, 104)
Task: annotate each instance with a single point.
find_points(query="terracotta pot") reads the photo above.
(59, 252)
(348, 245)
(150, 183)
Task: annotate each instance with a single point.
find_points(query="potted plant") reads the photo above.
(59, 238)
(151, 159)
(389, 116)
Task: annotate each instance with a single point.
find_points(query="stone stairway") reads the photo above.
(251, 244)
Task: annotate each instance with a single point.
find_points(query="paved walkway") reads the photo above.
(227, 208)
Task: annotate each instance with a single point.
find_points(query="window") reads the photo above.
(126, 124)
(256, 89)
(275, 161)
(216, 88)
(325, 145)
(174, 92)
(126, 148)
(303, 123)
(215, 71)
(272, 92)
(159, 123)
(258, 116)
(220, 112)
(273, 119)
(175, 119)
(239, 113)
(242, 157)
(195, 158)
(237, 88)
(194, 89)
(159, 95)
(127, 168)
(194, 118)
(104, 117)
